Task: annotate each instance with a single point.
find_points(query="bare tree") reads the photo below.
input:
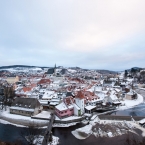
(33, 135)
(9, 95)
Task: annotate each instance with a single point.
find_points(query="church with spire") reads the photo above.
(52, 71)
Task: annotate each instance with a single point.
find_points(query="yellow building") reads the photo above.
(12, 79)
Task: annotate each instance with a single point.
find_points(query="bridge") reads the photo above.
(48, 133)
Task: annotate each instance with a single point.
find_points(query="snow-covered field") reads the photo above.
(131, 103)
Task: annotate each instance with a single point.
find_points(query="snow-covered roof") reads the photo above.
(55, 100)
(116, 102)
(130, 93)
(70, 106)
(53, 103)
(113, 97)
(61, 107)
(117, 90)
(90, 107)
(142, 121)
(48, 95)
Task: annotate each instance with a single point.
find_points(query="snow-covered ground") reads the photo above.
(84, 132)
(64, 124)
(43, 115)
(39, 140)
(131, 103)
(5, 117)
(107, 128)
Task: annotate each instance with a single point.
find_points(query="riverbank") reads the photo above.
(126, 104)
(19, 120)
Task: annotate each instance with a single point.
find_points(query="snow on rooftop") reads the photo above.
(90, 107)
(61, 107)
(48, 95)
(113, 97)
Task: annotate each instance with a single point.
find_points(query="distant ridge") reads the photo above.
(64, 69)
(14, 66)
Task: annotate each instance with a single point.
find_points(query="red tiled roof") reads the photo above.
(90, 95)
(68, 100)
(27, 89)
(33, 85)
(44, 81)
(80, 95)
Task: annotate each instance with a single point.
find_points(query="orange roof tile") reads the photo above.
(80, 95)
(44, 81)
(27, 89)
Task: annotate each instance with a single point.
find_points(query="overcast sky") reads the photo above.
(95, 34)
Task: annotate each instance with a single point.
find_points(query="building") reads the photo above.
(12, 79)
(65, 109)
(26, 106)
(79, 100)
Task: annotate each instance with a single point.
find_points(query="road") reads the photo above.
(142, 92)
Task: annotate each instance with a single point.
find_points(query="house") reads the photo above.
(26, 106)
(12, 79)
(65, 109)
(131, 95)
(114, 99)
(48, 95)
